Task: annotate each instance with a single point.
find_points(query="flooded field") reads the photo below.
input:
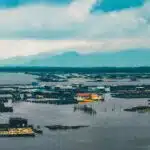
(108, 129)
(16, 78)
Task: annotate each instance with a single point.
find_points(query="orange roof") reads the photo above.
(83, 94)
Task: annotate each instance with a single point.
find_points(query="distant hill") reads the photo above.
(126, 58)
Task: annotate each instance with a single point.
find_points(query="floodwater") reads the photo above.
(16, 78)
(109, 130)
(107, 82)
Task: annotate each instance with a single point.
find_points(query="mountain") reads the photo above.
(126, 58)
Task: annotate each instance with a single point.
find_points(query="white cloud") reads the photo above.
(80, 9)
(73, 21)
(12, 48)
(77, 28)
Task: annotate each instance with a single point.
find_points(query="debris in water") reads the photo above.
(62, 127)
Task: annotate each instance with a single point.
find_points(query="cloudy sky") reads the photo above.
(28, 27)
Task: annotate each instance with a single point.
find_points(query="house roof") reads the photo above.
(83, 94)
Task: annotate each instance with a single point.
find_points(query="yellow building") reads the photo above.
(17, 132)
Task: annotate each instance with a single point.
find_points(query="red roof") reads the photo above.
(84, 94)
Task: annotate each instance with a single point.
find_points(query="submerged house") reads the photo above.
(88, 97)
